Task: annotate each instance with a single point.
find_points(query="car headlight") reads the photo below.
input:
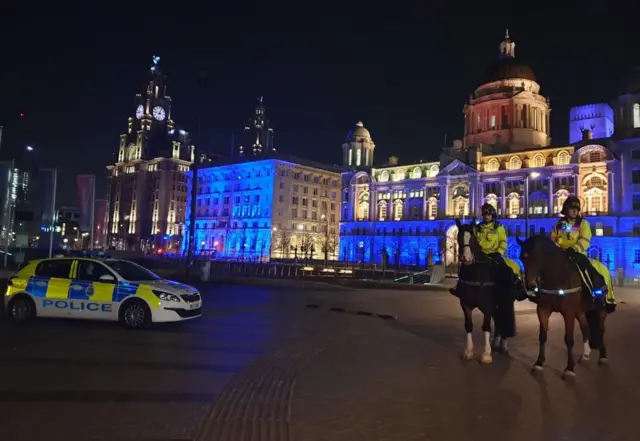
(166, 296)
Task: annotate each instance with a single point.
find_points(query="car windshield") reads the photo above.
(130, 270)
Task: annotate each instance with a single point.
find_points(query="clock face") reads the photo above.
(139, 112)
(158, 113)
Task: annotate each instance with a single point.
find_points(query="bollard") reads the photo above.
(620, 277)
(206, 271)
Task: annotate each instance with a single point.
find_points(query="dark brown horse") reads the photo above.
(477, 288)
(557, 286)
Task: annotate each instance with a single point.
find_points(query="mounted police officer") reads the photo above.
(492, 238)
(572, 233)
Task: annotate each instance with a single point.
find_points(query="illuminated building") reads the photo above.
(506, 159)
(258, 135)
(267, 208)
(147, 192)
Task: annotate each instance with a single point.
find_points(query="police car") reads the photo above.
(98, 289)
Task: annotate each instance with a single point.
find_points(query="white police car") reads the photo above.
(98, 289)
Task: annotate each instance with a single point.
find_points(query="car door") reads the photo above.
(90, 294)
(49, 287)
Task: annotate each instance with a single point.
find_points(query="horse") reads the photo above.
(558, 287)
(478, 289)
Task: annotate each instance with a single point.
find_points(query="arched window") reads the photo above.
(433, 171)
(493, 165)
(563, 158)
(595, 200)
(561, 197)
(538, 161)
(636, 115)
(363, 209)
(382, 210)
(384, 176)
(398, 208)
(515, 163)
(432, 208)
(514, 205)
(399, 175)
(492, 200)
(416, 173)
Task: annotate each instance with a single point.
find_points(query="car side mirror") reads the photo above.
(107, 278)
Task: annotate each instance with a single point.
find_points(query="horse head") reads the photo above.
(467, 243)
(542, 260)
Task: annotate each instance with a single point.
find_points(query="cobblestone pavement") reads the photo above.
(261, 366)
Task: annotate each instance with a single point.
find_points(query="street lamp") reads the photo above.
(531, 175)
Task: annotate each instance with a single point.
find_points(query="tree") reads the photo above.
(329, 246)
(282, 241)
(306, 244)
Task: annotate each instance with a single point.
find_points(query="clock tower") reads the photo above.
(148, 183)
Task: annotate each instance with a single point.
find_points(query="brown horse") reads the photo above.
(478, 288)
(557, 286)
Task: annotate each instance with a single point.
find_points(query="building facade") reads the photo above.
(506, 159)
(147, 191)
(269, 208)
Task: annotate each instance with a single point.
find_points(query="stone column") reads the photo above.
(503, 199)
(442, 202)
(550, 201)
(373, 204)
(472, 196)
(611, 201)
(576, 185)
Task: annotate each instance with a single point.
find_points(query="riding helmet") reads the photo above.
(571, 202)
(488, 209)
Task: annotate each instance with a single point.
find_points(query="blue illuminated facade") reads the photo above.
(234, 210)
(505, 159)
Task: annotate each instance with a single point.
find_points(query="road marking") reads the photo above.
(352, 311)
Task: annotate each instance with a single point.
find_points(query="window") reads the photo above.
(599, 230)
(416, 173)
(384, 176)
(514, 205)
(130, 271)
(563, 158)
(636, 202)
(493, 121)
(635, 154)
(432, 208)
(636, 255)
(595, 156)
(493, 165)
(635, 177)
(54, 268)
(91, 271)
(636, 115)
(382, 211)
(398, 209)
(538, 161)
(515, 163)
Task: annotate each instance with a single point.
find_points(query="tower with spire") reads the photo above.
(507, 47)
(258, 135)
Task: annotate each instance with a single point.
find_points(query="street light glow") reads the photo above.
(29, 148)
(534, 175)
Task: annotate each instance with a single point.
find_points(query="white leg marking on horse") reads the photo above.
(568, 374)
(486, 354)
(603, 361)
(504, 346)
(466, 252)
(586, 351)
(468, 351)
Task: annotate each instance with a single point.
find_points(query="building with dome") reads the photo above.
(505, 158)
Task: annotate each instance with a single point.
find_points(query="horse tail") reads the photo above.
(595, 333)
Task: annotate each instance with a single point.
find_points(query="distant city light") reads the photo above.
(29, 148)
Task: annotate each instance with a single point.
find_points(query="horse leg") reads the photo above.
(569, 325)
(468, 327)
(486, 329)
(584, 328)
(497, 338)
(543, 320)
(602, 316)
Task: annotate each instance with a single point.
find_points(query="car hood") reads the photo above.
(168, 286)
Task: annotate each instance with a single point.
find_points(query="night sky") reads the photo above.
(406, 73)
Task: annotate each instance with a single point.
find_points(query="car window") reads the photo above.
(130, 271)
(54, 268)
(91, 271)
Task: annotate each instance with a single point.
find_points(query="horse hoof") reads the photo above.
(568, 374)
(468, 356)
(537, 368)
(603, 361)
(585, 357)
(486, 359)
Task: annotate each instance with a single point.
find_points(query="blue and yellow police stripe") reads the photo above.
(69, 289)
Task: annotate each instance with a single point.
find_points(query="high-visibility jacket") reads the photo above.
(492, 237)
(572, 233)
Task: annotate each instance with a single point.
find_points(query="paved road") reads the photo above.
(260, 366)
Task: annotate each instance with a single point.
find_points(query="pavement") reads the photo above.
(261, 366)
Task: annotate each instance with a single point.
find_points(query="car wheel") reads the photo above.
(135, 314)
(22, 309)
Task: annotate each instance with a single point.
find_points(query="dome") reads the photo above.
(358, 132)
(508, 68)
